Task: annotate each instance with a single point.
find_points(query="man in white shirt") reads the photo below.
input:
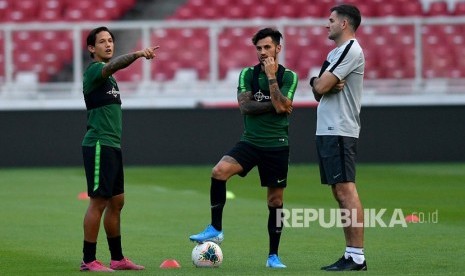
(338, 88)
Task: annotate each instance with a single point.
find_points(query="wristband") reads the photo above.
(312, 80)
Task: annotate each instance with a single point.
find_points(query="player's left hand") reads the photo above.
(339, 86)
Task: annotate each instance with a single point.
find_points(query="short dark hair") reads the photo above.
(350, 11)
(267, 32)
(92, 36)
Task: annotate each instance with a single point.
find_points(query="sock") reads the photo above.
(356, 253)
(273, 230)
(217, 202)
(115, 248)
(89, 250)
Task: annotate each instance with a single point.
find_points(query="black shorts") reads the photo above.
(272, 163)
(104, 171)
(337, 158)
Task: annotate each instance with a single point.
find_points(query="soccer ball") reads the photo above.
(207, 254)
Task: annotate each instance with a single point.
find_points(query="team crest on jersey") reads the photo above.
(259, 96)
(113, 92)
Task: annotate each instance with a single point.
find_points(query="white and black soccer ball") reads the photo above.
(207, 254)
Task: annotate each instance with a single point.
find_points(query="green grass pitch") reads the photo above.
(41, 221)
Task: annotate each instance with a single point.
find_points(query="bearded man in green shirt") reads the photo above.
(265, 94)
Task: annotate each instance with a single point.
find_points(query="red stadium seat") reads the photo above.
(389, 9)
(233, 12)
(261, 12)
(311, 10)
(98, 14)
(73, 14)
(438, 8)
(16, 16)
(47, 15)
(52, 4)
(437, 61)
(27, 7)
(184, 12)
(132, 73)
(459, 8)
(4, 7)
(368, 9)
(411, 8)
(286, 10)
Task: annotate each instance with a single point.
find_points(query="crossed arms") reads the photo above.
(279, 103)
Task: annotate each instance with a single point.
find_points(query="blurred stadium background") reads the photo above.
(413, 48)
(414, 53)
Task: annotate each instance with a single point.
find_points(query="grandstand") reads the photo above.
(414, 48)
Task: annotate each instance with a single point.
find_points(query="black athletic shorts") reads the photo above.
(337, 158)
(104, 170)
(272, 163)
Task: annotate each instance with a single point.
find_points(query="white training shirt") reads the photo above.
(339, 113)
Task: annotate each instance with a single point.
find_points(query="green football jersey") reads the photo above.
(103, 102)
(269, 129)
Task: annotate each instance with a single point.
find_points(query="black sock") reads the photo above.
(115, 248)
(89, 250)
(217, 201)
(274, 231)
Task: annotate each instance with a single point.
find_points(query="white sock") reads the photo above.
(356, 253)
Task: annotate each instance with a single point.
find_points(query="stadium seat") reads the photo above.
(233, 12)
(27, 7)
(286, 10)
(132, 73)
(310, 10)
(438, 8)
(459, 8)
(411, 8)
(52, 4)
(388, 9)
(4, 7)
(368, 9)
(261, 12)
(49, 15)
(183, 13)
(98, 14)
(437, 61)
(60, 43)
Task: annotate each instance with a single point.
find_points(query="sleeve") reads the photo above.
(245, 80)
(290, 81)
(92, 76)
(343, 67)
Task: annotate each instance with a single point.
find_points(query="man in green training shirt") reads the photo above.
(101, 150)
(265, 95)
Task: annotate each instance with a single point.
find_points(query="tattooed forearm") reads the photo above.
(250, 107)
(118, 63)
(280, 103)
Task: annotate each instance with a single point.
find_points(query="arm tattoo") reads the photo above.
(248, 106)
(118, 63)
(275, 92)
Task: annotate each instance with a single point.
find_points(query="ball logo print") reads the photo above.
(207, 254)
